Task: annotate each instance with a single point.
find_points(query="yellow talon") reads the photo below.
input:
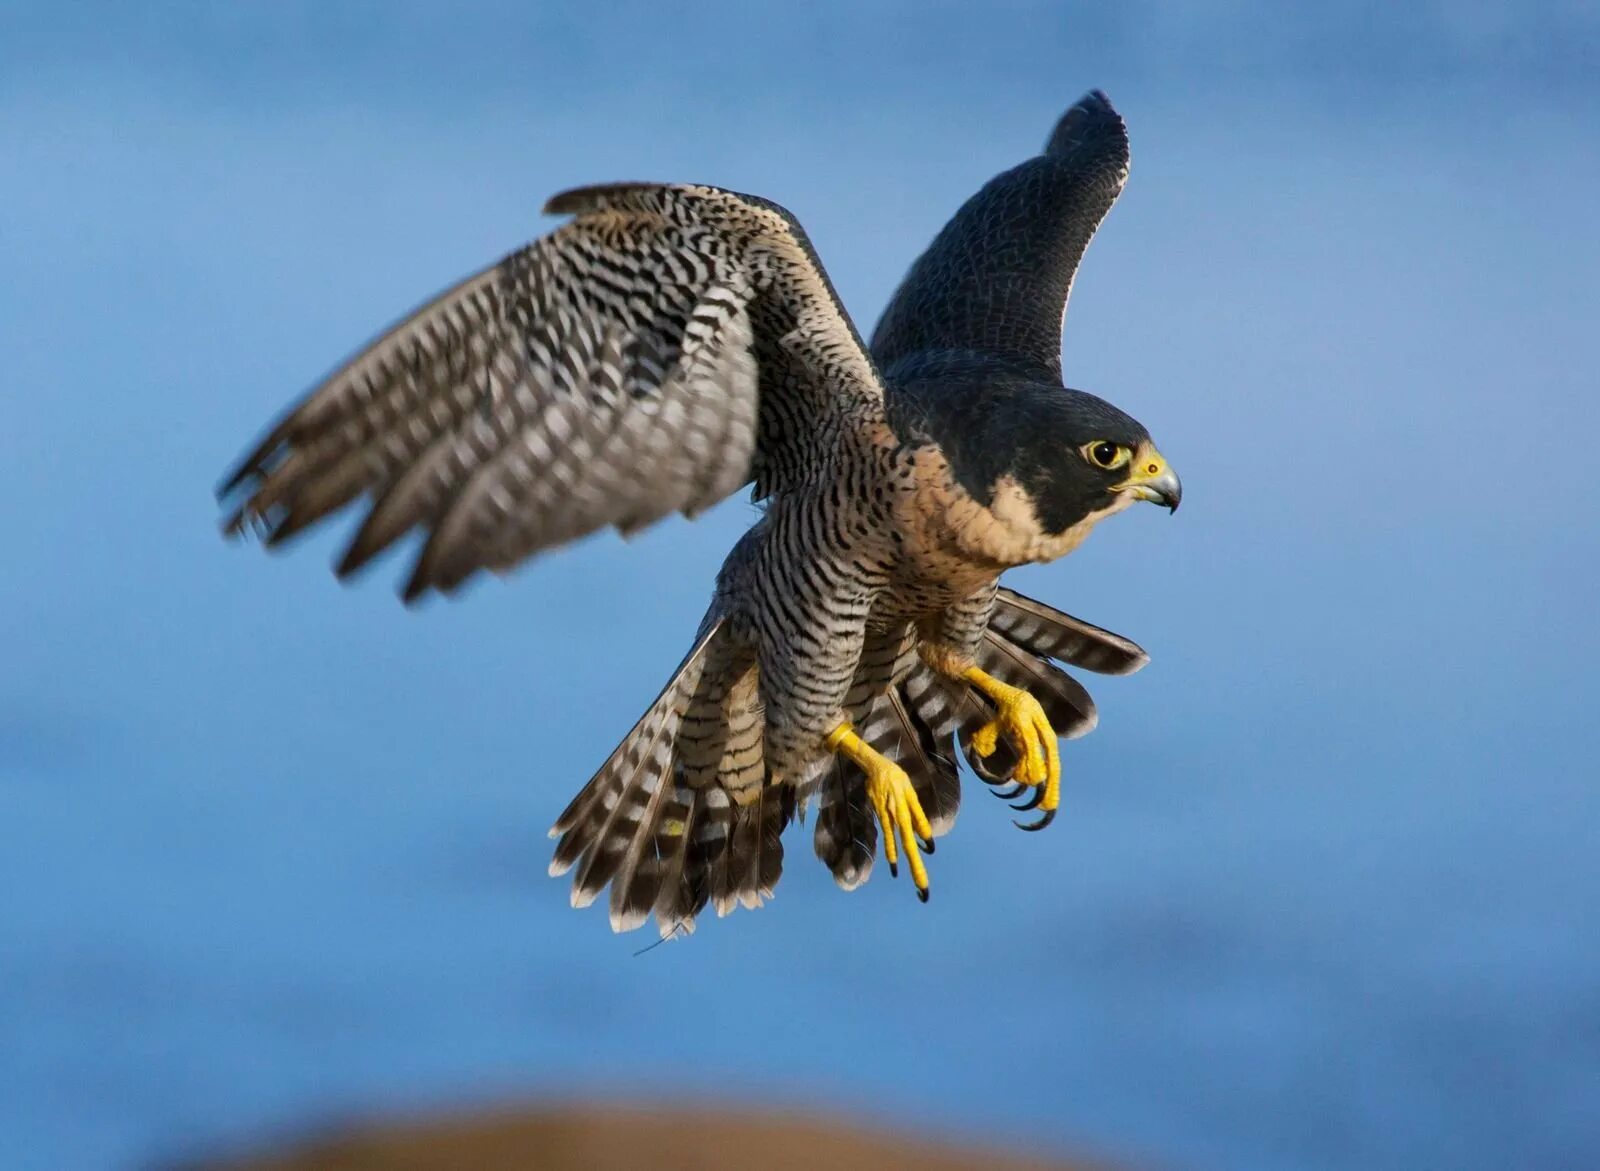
(893, 800)
(1023, 721)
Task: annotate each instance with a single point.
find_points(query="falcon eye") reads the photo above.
(1102, 453)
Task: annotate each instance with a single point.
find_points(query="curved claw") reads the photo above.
(927, 847)
(987, 774)
(1016, 791)
(1032, 802)
(1045, 819)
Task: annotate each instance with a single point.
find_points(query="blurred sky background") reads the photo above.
(1323, 895)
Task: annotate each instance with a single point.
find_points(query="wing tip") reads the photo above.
(1134, 658)
(598, 197)
(243, 468)
(235, 526)
(1090, 117)
(255, 463)
(411, 593)
(1138, 660)
(428, 579)
(231, 481)
(1087, 721)
(363, 549)
(568, 202)
(654, 197)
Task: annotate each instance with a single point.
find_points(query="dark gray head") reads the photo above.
(1072, 454)
(1080, 456)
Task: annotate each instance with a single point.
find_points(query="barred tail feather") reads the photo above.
(913, 724)
(755, 859)
(846, 837)
(673, 904)
(711, 853)
(931, 708)
(681, 815)
(611, 830)
(1048, 633)
(775, 812)
(728, 856)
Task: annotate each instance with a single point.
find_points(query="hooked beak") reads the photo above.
(1152, 479)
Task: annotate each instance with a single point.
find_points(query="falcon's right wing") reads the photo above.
(663, 348)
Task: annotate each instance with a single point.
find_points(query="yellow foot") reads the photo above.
(1023, 722)
(893, 799)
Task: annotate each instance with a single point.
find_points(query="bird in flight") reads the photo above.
(670, 344)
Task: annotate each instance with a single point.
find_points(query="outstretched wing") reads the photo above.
(996, 279)
(650, 356)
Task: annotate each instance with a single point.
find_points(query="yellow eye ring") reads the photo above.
(1102, 453)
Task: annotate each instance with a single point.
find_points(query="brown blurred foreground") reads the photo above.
(625, 1139)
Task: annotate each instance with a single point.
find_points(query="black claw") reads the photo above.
(922, 895)
(987, 770)
(1045, 819)
(926, 844)
(894, 870)
(1032, 802)
(1016, 791)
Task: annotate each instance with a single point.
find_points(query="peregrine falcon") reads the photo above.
(670, 344)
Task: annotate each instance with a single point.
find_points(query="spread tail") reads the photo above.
(680, 815)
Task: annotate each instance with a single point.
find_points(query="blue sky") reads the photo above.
(274, 849)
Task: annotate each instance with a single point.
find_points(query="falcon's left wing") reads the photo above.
(996, 279)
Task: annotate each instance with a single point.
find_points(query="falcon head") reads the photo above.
(1088, 459)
